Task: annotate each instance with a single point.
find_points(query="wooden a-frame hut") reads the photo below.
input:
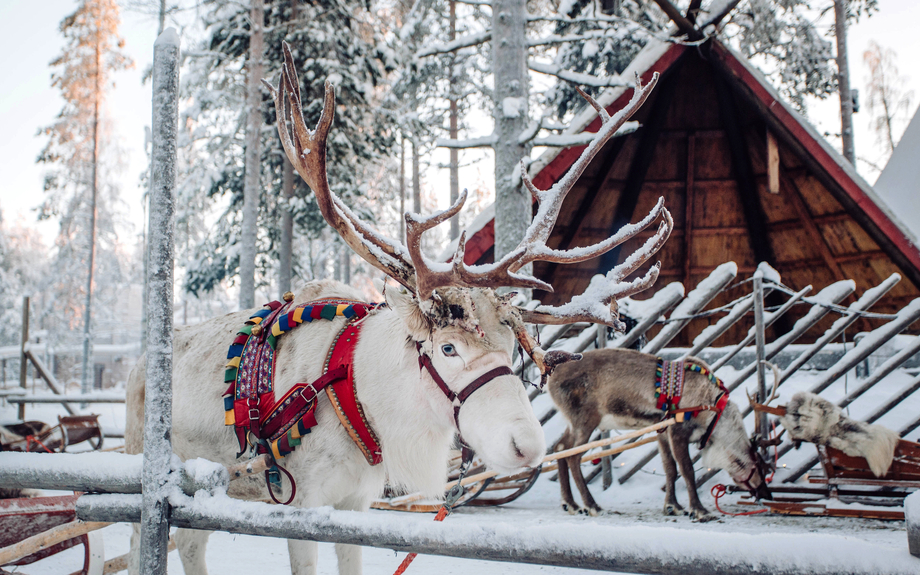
(746, 178)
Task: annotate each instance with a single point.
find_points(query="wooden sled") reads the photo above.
(39, 437)
(32, 529)
(849, 481)
(478, 481)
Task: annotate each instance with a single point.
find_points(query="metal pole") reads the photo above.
(158, 390)
(761, 354)
(23, 362)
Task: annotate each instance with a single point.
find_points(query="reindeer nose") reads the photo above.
(528, 449)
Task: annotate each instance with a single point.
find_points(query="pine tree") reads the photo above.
(78, 190)
(335, 40)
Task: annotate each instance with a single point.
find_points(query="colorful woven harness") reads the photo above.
(669, 386)
(278, 425)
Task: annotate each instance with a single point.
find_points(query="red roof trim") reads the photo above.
(483, 240)
(830, 164)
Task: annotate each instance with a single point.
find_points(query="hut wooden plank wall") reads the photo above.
(746, 179)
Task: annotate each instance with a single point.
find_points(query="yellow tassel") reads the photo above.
(275, 451)
(298, 315)
(340, 308)
(235, 362)
(229, 418)
(276, 329)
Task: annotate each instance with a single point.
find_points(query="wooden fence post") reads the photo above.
(158, 387)
(23, 363)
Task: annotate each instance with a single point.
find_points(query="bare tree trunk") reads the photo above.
(253, 159)
(513, 210)
(416, 180)
(285, 271)
(94, 191)
(454, 153)
(346, 266)
(287, 228)
(843, 81)
(162, 17)
(402, 189)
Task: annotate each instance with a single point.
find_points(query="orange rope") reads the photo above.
(30, 439)
(442, 513)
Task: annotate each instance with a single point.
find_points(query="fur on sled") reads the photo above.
(814, 419)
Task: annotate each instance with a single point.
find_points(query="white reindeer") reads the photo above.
(451, 311)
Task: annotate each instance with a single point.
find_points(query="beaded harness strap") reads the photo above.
(278, 425)
(669, 385)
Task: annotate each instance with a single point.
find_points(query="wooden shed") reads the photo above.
(746, 178)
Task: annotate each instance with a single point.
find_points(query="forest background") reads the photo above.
(28, 247)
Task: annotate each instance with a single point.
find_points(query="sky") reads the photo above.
(27, 101)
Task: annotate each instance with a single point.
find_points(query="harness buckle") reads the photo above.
(253, 414)
(313, 389)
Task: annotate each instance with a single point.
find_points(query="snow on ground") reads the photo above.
(636, 503)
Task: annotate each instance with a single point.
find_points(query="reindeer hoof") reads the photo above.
(674, 509)
(701, 516)
(592, 511)
(570, 509)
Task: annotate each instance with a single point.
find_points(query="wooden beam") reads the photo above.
(693, 10)
(688, 206)
(744, 172)
(772, 163)
(46, 539)
(683, 24)
(817, 238)
(645, 152)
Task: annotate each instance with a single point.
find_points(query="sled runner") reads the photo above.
(39, 437)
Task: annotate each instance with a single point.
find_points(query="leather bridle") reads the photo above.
(457, 399)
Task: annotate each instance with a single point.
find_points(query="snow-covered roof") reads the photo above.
(877, 217)
(899, 183)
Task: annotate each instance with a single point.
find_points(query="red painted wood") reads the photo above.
(22, 518)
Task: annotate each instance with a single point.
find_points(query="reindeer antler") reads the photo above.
(307, 151)
(533, 246)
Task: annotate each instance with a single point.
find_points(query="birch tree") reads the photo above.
(887, 101)
(76, 183)
(253, 169)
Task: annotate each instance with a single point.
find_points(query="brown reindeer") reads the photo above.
(615, 389)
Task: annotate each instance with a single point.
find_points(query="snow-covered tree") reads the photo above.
(80, 192)
(335, 40)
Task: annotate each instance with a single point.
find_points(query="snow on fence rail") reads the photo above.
(671, 297)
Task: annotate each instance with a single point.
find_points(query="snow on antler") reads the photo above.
(598, 303)
(306, 150)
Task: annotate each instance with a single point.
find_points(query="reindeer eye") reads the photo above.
(448, 350)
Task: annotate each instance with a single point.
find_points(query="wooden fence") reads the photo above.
(673, 310)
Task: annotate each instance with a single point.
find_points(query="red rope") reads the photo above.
(718, 491)
(442, 513)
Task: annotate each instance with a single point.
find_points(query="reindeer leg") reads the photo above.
(192, 545)
(680, 448)
(671, 506)
(565, 488)
(591, 507)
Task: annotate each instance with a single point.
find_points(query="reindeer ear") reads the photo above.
(405, 304)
